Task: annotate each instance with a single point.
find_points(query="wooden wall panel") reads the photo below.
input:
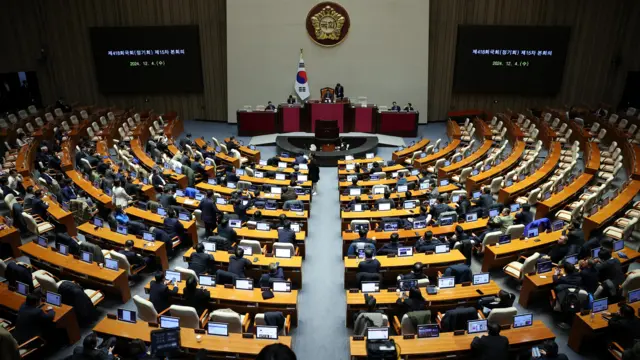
(62, 27)
(604, 33)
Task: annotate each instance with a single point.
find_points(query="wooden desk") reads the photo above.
(408, 151)
(269, 237)
(157, 220)
(225, 191)
(252, 155)
(11, 237)
(474, 182)
(243, 301)
(392, 267)
(448, 345)
(594, 159)
(265, 181)
(287, 170)
(537, 283)
(292, 267)
(532, 181)
(444, 300)
(345, 162)
(55, 210)
(447, 151)
(559, 199)
(446, 171)
(371, 183)
(226, 158)
(233, 345)
(608, 212)
(420, 194)
(393, 168)
(101, 148)
(116, 241)
(500, 255)
(66, 267)
(96, 194)
(583, 328)
(148, 163)
(64, 319)
(453, 129)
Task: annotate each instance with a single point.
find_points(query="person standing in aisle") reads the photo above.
(314, 174)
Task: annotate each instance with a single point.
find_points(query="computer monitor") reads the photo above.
(428, 331)
(303, 166)
(515, 207)
(441, 249)
(162, 212)
(22, 288)
(276, 190)
(504, 239)
(172, 276)
(263, 226)
(283, 253)
(179, 193)
(378, 333)
(493, 213)
(221, 201)
(258, 174)
(446, 282)
(63, 249)
(239, 172)
(634, 296)
(447, 163)
(384, 206)
(266, 332)
(618, 245)
(477, 326)
(217, 328)
(533, 232)
(231, 185)
(394, 175)
(471, 217)
(280, 176)
(402, 188)
(571, 259)
(415, 172)
(121, 229)
(475, 172)
(262, 162)
(361, 253)
(248, 250)
(244, 284)
(206, 280)
(355, 192)
(282, 164)
(235, 223)
(370, 155)
(522, 320)
(42, 241)
(169, 322)
(476, 194)
(481, 279)
(595, 252)
(350, 167)
(419, 224)
(600, 305)
(296, 227)
(405, 251)
(378, 190)
(147, 236)
(52, 298)
(111, 264)
(445, 221)
(544, 266)
(296, 207)
(370, 286)
(127, 315)
(86, 256)
(165, 341)
(424, 185)
(390, 226)
(508, 182)
(281, 286)
(487, 167)
(557, 225)
(212, 181)
(271, 205)
(444, 182)
(405, 285)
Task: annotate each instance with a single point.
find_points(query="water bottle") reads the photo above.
(592, 316)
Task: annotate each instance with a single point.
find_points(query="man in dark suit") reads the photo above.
(195, 297)
(133, 258)
(198, 167)
(270, 106)
(32, 321)
(90, 350)
(186, 141)
(486, 199)
(609, 268)
(201, 262)
(492, 346)
(68, 193)
(589, 275)
(166, 199)
(159, 293)
(286, 234)
(174, 227)
(559, 250)
(369, 265)
(161, 235)
(291, 100)
(39, 206)
(328, 97)
(130, 188)
(339, 90)
(392, 246)
(525, 216)
(209, 213)
(408, 107)
(157, 180)
(571, 277)
(395, 107)
(386, 200)
(275, 273)
(227, 231)
(237, 263)
(624, 326)
(438, 208)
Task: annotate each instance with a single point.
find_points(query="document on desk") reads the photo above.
(189, 202)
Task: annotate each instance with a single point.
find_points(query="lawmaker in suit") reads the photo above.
(395, 107)
(32, 320)
(408, 107)
(196, 298)
(291, 100)
(209, 213)
(120, 196)
(491, 347)
(201, 262)
(159, 293)
(38, 205)
(174, 227)
(157, 180)
(339, 90)
(270, 106)
(67, 191)
(328, 97)
(286, 235)
(166, 199)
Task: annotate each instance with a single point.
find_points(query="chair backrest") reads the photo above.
(464, 174)
(103, 121)
(529, 264)
(502, 316)
(90, 133)
(58, 112)
(594, 127)
(111, 116)
(526, 123)
(632, 282)
(83, 114)
(186, 273)
(630, 111)
(496, 184)
(74, 120)
(224, 149)
(235, 153)
(289, 246)
(136, 116)
(253, 244)
(494, 121)
(613, 118)
(46, 282)
(354, 223)
(602, 133)
(622, 124)
(146, 311)
(32, 226)
(516, 231)
(49, 117)
(122, 133)
(229, 317)
(32, 109)
(439, 164)
(547, 117)
(630, 131)
(563, 127)
(555, 123)
(123, 263)
(491, 238)
(3, 267)
(188, 316)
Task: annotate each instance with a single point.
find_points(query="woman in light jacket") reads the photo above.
(119, 196)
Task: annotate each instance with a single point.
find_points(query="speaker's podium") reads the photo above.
(327, 134)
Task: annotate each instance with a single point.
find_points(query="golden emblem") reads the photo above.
(328, 23)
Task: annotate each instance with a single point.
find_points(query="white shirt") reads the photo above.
(120, 197)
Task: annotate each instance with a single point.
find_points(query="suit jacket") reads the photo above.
(290, 194)
(339, 90)
(485, 201)
(74, 296)
(167, 200)
(68, 193)
(611, 270)
(201, 262)
(198, 299)
(491, 347)
(369, 266)
(32, 321)
(39, 207)
(209, 210)
(132, 257)
(395, 108)
(157, 180)
(228, 232)
(286, 236)
(174, 227)
(438, 209)
(524, 218)
(159, 295)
